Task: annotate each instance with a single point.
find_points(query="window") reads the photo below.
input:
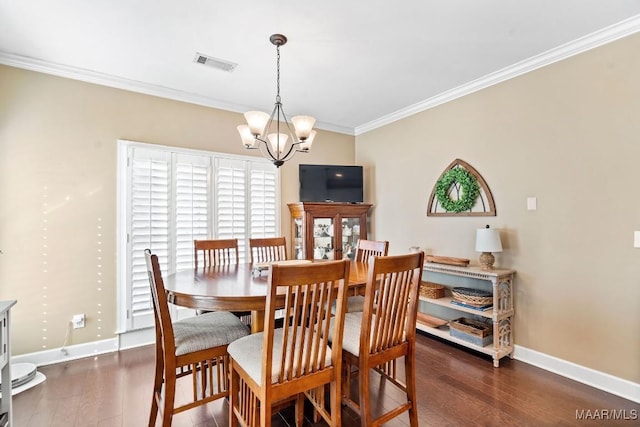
(169, 197)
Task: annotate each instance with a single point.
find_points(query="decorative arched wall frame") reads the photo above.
(472, 194)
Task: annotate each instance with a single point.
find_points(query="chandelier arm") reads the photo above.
(268, 153)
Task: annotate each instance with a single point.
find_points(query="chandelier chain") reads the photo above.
(278, 71)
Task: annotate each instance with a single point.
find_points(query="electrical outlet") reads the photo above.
(78, 321)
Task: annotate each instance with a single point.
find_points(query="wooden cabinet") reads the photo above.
(500, 316)
(5, 363)
(327, 230)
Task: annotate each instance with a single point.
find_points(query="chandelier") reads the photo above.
(263, 132)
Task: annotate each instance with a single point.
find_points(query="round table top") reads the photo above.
(231, 287)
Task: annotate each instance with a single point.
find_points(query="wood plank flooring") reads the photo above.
(455, 388)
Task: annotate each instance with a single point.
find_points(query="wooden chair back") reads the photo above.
(310, 290)
(365, 249)
(201, 353)
(216, 252)
(268, 249)
(391, 298)
(165, 343)
(296, 360)
(387, 333)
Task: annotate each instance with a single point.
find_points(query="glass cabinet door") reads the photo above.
(323, 238)
(350, 236)
(298, 239)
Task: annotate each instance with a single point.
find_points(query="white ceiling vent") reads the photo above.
(212, 62)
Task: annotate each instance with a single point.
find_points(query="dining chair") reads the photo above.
(216, 252)
(294, 361)
(268, 249)
(387, 331)
(195, 347)
(365, 249)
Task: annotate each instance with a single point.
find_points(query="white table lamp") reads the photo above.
(488, 241)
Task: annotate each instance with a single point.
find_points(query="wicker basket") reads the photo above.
(474, 331)
(431, 290)
(472, 296)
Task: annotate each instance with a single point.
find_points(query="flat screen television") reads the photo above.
(331, 183)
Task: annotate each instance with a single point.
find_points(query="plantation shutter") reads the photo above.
(263, 200)
(149, 227)
(231, 203)
(191, 204)
(171, 197)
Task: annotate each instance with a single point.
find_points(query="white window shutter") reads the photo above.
(231, 203)
(263, 200)
(175, 196)
(149, 227)
(191, 206)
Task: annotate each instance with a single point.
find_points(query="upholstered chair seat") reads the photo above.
(207, 330)
(247, 352)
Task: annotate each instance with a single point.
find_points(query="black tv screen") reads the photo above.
(331, 183)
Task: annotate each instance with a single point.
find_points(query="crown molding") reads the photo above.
(136, 86)
(583, 44)
(567, 50)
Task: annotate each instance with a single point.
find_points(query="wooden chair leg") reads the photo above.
(409, 368)
(234, 388)
(335, 400)
(157, 389)
(169, 400)
(299, 410)
(157, 386)
(265, 415)
(364, 397)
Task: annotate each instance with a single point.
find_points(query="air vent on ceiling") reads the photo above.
(212, 62)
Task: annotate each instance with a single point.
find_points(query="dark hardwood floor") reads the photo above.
(455, 388)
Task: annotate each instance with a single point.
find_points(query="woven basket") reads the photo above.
(431, 290)
(472, 296)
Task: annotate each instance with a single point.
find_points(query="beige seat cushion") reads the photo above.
(354, 303)
(247, 352)
(351, 337)
(352, 328)
(206, 331)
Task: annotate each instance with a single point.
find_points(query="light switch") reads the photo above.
(532, 203)
(636, 239)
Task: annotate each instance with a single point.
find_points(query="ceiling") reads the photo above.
(354, 65)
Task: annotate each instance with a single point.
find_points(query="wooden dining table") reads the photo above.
(238, 287)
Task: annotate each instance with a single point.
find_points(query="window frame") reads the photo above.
(124, 219)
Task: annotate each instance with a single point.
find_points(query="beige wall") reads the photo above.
(58, 193)
(568, 134)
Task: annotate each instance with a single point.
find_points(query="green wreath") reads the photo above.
(468, 184)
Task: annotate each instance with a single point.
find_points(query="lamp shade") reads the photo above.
(257, 121)
(303, 126)
(277, 141)
(306, 144)
(488, 240)
(248, 140)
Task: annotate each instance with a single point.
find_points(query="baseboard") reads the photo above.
(63, 354)
(137, 338)
(123, 341)
(605, 382)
